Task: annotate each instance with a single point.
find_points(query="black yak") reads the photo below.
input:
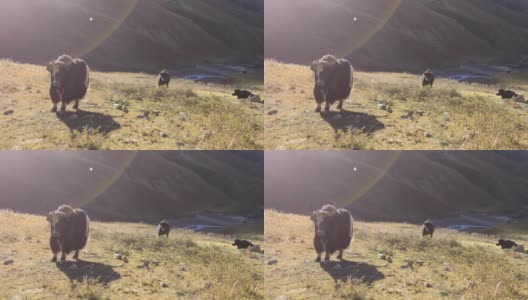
(333, 231)
(70, 229)
(69, 81)
(428, 78)
(164, 228)
(506, 244)
(334, 79)
(242, 244)
(506, 94)
(428, 228)
(242, 94)
(164, 78)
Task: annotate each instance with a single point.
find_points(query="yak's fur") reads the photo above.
(506, 94)
(242, 94)
(428, 228)
(506, 244)
(333, 231)
(334, 79)
(70, 230)
(70, 79)
(164, 228)
(428, 78)
(164, 78)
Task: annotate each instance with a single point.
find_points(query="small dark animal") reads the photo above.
(242, 94)
(506, 244)
(69, 81)
(164, 78)
(506, 94)
(334, 79)
(164, 228)
(428, 78)
(334, 229)
(242, 244)
(70, 229)
(428, 228)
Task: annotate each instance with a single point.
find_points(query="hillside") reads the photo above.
(127, 111)
(409, 35)
(390, 261)
(125, 185)
(133, 35)
(392, 111)
(407, 186)
(185, 266)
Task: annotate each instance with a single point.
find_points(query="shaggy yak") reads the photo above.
(334, 79)
(164, 228)
(428, 78)
(242, 94)
(506, 244)
(164, 78)
(242, 244)
(506, 94)
(70, 229)
(69, 81)
(428, 228)
(333, 231)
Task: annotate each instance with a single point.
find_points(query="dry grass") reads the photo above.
(451, 115)
(449, 266)
(191, 265)
(187, 115)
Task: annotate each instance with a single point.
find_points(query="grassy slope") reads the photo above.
(213, 268)
(455, 265)
(214, 119)
(476, 117)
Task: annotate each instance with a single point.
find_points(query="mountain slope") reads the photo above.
(397, 35)
(144, 185)
(141, 35)
(397, 186)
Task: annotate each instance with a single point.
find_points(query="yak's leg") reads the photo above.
(327, 256)
(340, 255)
(76, 255)
(63, 106)
(318, 259)
(76, 105)
(318, 109)
(54, 109)
(63, 256)
(54, 259)
(340, 106)
(327, 106)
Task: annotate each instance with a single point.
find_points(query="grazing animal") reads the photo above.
(164, 228)
(70, 229)
(69, 81)
(333, 231)
(506, 244)
(506, 94)
(428, 228)
(242, 244)
(242, 94)
(334, 79)
(164, 78)
(428, 78)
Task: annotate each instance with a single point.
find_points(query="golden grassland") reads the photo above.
(451, 115)
(187, 265)
(127, 111)
(391, 261)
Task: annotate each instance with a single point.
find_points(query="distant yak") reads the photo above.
(164, 78)
(506, 94)
(242, 94)
(428, 78)
(333, 231)
(506, 244)
(69, 81)
(70, 229)
(242, 244)
(164, 228)
(428, 228)
(334, 79)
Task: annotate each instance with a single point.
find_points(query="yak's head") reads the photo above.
(320, 219)
(56, 69)
(428, 222)
(501, 92)
(500, 242)
(236, 242)
(320, 67)
(59, 220)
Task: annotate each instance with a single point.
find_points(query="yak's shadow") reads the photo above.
(86, 120)
(85, 270)
(346, 120)
(348, 270)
